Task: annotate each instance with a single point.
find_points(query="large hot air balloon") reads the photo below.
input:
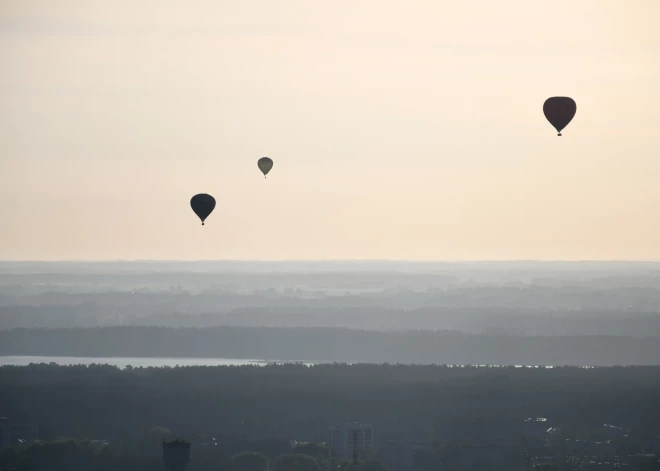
(559, 110)
(265, 164)
(202, 205)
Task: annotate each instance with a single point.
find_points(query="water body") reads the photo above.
(146, 362)
(135, 362)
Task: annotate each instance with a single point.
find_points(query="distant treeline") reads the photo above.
(172, 311)
(144, 453)
(327, 344)
(403, 403)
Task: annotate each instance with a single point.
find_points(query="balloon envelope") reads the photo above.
(203, 205)
(559, 110)
(265, 164)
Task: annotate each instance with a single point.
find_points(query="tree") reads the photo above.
(315, 450)
(547, 467)
(372, 465)
(425, 460)
(450, 455)
(249, 461)
(296, 462)
(369, 465)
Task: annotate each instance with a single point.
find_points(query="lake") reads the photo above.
(135, 362)
(145, 362)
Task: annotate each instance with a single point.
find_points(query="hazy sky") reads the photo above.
(399, 129)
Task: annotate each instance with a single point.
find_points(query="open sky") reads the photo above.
(399, 129)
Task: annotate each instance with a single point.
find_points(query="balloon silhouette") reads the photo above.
(203, 205)
(265, 164)
(559, 110)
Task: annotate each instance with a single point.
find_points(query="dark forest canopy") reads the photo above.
(467, 405)
(327, 345)
(225, 454)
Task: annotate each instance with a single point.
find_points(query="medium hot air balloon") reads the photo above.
(202, 205)
(559, 110)
(265, 164)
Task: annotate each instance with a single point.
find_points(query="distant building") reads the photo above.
(176, 455)
(533, 420)
(23, 434)
(613, 432)
(19, 435)
(554, 431)
(4, 433)
(343, 438)
(100, 443)
(536, 427)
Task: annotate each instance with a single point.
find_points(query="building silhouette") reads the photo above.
(176, 455)
(4, 434)
(351, 440)
(16, 435)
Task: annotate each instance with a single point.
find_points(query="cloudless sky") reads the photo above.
(399, 129)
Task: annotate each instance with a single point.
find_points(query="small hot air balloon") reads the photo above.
(265, 164)
(203, 205)
(559, 110)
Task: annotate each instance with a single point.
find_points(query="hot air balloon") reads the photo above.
(559, 110)
(265, 164)
(203, 205)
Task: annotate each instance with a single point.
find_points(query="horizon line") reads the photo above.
(338, 260)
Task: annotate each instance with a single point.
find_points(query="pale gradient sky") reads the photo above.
(399, 129)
